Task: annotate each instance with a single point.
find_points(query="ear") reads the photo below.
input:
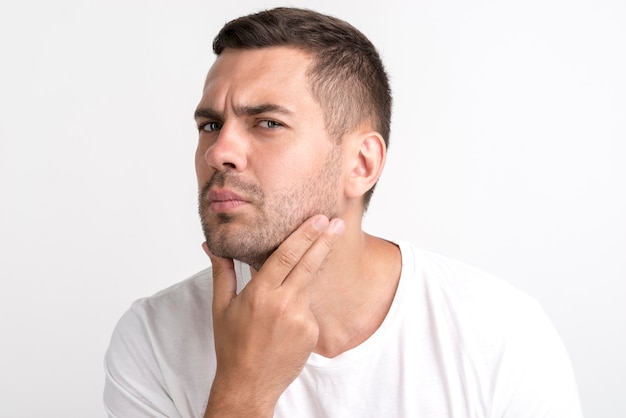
(365, 159)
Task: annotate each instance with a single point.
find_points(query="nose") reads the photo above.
(229, 149)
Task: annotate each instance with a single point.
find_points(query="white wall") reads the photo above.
(508, 152)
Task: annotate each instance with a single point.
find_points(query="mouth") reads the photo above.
(222, 200)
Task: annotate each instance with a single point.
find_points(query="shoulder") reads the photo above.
(167, 317)
(180, 309)
(503, 332)
(165, 312)
(196, 291)
(465, 288)
(483, 314)
(160, 343)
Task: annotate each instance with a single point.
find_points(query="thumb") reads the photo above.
(224, 280)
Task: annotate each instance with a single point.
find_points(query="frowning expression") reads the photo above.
(264, 161)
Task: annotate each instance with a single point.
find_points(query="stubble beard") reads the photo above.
(253, 240)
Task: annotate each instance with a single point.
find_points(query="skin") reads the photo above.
(248, 206)
(272, 184)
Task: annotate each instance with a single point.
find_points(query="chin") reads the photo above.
(239, 245)
(251, 242)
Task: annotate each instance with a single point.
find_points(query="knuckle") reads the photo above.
(312, 332)
(279, 305)
(256, 300)
(308, 329)
(328, 241)
(287, 257)
(308, 267)
(311, 234)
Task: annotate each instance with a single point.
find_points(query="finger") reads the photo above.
(313, 259)
(224, 280)
(288, 254)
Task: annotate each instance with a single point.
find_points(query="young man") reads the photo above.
(316, 318)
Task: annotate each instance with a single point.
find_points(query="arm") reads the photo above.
(264, 335)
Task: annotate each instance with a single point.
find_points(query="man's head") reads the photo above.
(347, 76)
(289, 128)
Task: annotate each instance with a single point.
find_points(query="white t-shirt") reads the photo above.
(455, 343)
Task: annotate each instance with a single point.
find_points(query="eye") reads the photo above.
(270, 124)
(211, 126)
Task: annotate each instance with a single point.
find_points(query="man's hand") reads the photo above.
(264, 335)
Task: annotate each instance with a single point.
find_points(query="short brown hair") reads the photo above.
(347, 77)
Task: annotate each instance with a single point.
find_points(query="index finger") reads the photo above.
(313, 259)
(288, 254)
(303, 251)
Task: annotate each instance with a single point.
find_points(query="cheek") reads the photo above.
(285, 172)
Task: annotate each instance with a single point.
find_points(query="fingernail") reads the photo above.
(320, 223)
(337, 226)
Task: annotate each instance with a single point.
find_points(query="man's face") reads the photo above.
(264, 161)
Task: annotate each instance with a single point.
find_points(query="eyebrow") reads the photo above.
(208, 113)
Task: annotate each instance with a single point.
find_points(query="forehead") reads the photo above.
(252, 75)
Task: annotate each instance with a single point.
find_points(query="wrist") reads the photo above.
(237, 400)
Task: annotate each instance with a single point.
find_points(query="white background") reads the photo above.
(508, 152)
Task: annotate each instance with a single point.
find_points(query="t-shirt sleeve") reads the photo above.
(134, 385)
(535, 377)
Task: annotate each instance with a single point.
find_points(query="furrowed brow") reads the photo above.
(206, 113)
(260, 109)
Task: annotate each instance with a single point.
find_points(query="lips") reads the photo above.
(221, 200)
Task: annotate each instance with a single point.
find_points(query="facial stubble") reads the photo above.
(253, 238)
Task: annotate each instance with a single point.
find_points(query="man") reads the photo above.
(316, 318)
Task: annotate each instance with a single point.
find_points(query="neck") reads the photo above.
(354, 290)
